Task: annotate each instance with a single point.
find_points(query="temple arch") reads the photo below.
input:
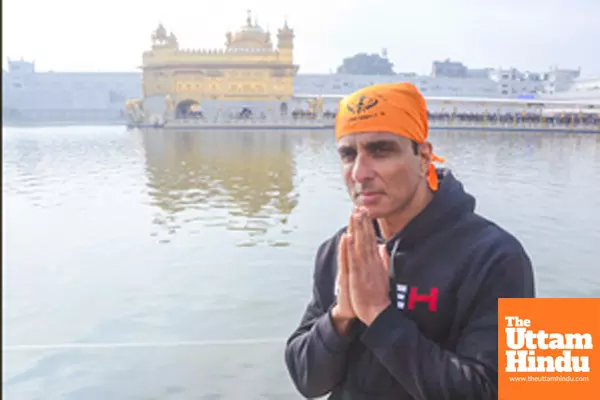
(188, 109)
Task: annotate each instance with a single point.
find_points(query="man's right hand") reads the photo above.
(342, 313)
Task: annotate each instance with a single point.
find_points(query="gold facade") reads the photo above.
(248, 68)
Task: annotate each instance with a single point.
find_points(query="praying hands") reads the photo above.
(363, 273)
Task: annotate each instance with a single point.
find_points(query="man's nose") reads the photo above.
(362, 169)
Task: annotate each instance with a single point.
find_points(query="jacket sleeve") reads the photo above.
(315, 354)
(429, 372)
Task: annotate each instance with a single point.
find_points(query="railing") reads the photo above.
(519, 125)
(252, 121)
(471, 121)
(518, 121)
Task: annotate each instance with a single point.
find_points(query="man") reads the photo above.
(404, 302)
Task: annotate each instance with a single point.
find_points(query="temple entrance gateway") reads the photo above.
(188, 109)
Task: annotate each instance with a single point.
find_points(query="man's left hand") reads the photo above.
(368, 265)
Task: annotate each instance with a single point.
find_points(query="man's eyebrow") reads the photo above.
(346, 149)
(369, 146)
(381, 143)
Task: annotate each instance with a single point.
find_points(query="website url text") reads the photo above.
(549, 379)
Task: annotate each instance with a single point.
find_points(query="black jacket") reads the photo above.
(421, 347)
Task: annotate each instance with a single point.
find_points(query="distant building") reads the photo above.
(513, 83)
(479, 73)
(449, 69)
(28, 95)
(321, 84)
(558, 80)
(579, 89)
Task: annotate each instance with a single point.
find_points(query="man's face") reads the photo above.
(382, 171)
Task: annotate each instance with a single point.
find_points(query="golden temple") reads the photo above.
(248, 68)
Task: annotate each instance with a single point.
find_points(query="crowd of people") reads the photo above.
(558, 119)
(562, 119)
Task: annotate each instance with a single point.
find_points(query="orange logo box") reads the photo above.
(548, 349)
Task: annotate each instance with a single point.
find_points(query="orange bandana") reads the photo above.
(397, 108)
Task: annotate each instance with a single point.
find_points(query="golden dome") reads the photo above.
(250, 36)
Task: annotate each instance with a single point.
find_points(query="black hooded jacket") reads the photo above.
(438, 340)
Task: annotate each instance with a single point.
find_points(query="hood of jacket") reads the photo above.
(448, 204)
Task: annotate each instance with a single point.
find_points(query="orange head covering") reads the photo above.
(397, 108)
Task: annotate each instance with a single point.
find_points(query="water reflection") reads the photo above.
(236, 180)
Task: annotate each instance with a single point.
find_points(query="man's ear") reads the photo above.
(426, 155)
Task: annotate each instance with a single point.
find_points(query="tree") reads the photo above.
(366, 64)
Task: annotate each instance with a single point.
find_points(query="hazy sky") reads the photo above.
(110, 35)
